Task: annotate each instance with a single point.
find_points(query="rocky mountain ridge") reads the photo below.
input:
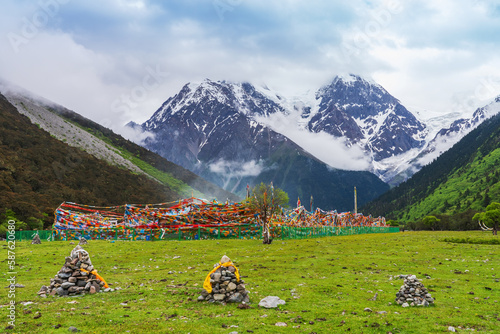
(213, 129)
(351, 113)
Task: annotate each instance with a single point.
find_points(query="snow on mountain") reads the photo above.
(351, 123)
(357, 124)
(447, 137)
(216, 130)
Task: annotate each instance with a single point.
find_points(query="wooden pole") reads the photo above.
(355, 202)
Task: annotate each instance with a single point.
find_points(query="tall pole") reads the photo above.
(355, 202)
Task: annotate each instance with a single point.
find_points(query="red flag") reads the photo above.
(298, 201)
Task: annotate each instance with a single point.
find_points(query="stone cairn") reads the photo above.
(83, 241)
(413, 293)
(224, 284)
(75, 277)
(36, 240)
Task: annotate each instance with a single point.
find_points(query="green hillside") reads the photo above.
(462, 181)
(176, 177)
(39, 172)
(302, 175)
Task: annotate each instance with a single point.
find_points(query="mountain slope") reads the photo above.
(365, 112)
(211, 129)
(351, 115)
(464, 178)
(104, 144)
(38, 172)
(445, 138)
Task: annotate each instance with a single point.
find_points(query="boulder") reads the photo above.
(271, 302)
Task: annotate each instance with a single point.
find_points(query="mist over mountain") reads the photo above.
(227, 132)
(459, 182)
(213, 129)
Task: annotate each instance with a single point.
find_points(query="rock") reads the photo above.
(83, 241)
(225, 287)
(61, 292)
(281, 324)
(271, 302)
(43, 290)
(413, 293)
(36, 240)
(367, 309)
(66, 285)
(219, 296)
(73, 329)
(71, 279)
(451, 329)
(236, 298)
(81, 283)
(72, 289)
(225, 259)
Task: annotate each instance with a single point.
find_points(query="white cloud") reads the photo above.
(232, 172)
(89, 54)
(325, 147)
(236, 169)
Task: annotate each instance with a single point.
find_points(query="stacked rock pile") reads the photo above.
(36, 240)
(413, 293)
(77, 276)
(83, 241)
(225, 287)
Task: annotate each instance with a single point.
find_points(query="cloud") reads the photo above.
(237, 169)
(95, 52)
(331, 150)
(232, 172)
(135, 134)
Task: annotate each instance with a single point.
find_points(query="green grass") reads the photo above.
(165, 178)
(332, 278)
(468, 240)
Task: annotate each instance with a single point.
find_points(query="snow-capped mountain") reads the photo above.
(230, 132)
(365, 113)
(445, 138)
(212, 128)
(209, 122)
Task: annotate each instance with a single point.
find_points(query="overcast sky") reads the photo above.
(118, 60)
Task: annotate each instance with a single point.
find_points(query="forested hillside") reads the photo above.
(38, 172)
(462, 181)
(101, 142)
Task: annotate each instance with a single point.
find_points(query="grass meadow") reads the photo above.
(326, 283)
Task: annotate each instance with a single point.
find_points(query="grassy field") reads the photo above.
(326, 283)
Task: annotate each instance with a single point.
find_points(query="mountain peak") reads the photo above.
(353, 79)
